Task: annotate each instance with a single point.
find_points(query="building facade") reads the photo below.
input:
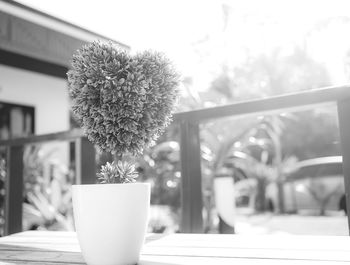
(35, 51)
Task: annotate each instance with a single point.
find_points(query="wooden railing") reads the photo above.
(190, 140)
(85, 170)
(191, 219)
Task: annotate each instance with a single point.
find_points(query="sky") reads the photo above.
(182, 27)
(154, 23)
(169, 26)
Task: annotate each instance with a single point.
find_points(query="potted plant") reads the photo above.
(123, 103)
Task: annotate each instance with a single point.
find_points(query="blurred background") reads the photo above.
(266, 174)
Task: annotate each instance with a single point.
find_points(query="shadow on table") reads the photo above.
(14, 254)
(53, 254)
(150, 238)
(154, 237)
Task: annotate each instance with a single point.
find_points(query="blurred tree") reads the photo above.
(258, 153)
(321, 194)
(284, 70)
(47, 194)
(160, 165)
(224, 84)
(314, 133)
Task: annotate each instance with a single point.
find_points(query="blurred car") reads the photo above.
(314, 186)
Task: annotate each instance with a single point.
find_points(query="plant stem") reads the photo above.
(118, 157)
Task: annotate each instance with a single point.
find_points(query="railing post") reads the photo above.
(14, 190)
(85, 161)
(191, 179)
(344, 128)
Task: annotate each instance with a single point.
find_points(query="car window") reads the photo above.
(330, 169)
(320, 170)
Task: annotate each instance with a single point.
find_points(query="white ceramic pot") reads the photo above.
(111, 221)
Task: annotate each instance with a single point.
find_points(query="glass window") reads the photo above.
(16, 120)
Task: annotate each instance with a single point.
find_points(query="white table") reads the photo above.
(50, 248)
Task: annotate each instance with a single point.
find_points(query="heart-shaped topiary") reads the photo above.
(123, 102)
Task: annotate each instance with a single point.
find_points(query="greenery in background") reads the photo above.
(285, 69)
(258, 155)
(308, 134)
(278, 72)
(270, 145)
(313, 133)
(47, 194)
(303, 135)
(123, 102)
(160, 166)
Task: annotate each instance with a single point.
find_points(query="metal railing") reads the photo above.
(191, 189)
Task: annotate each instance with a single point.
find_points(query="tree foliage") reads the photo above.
(281, 71)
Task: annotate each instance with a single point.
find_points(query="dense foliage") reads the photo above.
(123, 102)
(117, 172)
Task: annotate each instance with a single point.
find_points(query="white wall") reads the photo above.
(47, 94)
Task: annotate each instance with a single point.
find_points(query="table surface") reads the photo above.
(39, 247)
